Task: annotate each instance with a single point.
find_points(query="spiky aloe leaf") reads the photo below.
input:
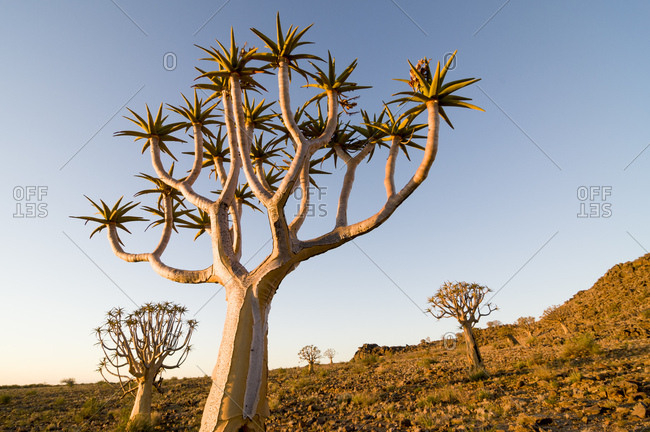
(284, 48)
(329, 81)
(153, 128)
(117, 215)
(427, 87)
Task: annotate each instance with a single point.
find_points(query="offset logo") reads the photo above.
(594, 201)
(314, 209)
(449, 341)
(30, 201)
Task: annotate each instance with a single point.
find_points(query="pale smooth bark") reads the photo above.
(348, 181)
(389, 179)
(244, 139)
(299, 219)
(473, 353)
(564, 328)
(237, 397)
(143, 396)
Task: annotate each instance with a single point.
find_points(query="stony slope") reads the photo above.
(594, 378)
(537, 388)
(617, 305)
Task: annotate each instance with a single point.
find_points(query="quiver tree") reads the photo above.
(330, 353)
(311, 354)
(463, 301)
(559, 315)
(259, 158)
(140, 345)
(527, 324)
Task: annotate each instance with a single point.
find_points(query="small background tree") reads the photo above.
(462, 300)
(141, 344)
(527, 325)
(330, 353)
(559, 315)
(493, 324)
(69, 381)
(311, 354)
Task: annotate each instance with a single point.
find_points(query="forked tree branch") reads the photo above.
(183, 187)
(389, 179)
(198, 155)
(171, 273)
(348, 180)
(343, 234)
(245, 140)
(305, 187)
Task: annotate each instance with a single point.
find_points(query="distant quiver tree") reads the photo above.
(330, 353)
(463, 301)
(140, 345)
(311, 354)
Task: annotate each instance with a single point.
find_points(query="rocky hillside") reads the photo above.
(617, 305)
(582, 386)
(584, 367)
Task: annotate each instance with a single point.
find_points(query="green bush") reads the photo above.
(89, 409)
(5, 399)
(344, 398)
(437, 397)
(364, 398)
(483, 394)
(581, 346)
(425, 421)
(370, 360)
(478, 374)
(575, 377)
(68, 381)
(139, 424)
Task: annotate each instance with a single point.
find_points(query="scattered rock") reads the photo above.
(593, 410)
(640, 410)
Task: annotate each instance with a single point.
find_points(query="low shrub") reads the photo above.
(478, 374)
(574, 377)
(370, 360)
(344, 398)
(89, 409)
(581, 346)
(363, 399)
(69, 381)
(139, 424)
(438, 397)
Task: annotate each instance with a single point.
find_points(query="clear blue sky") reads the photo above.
(565, 92)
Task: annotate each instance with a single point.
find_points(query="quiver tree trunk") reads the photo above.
(473, 354)
(565, 329)
(237, 400)
(142, 405)
(310, 369)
